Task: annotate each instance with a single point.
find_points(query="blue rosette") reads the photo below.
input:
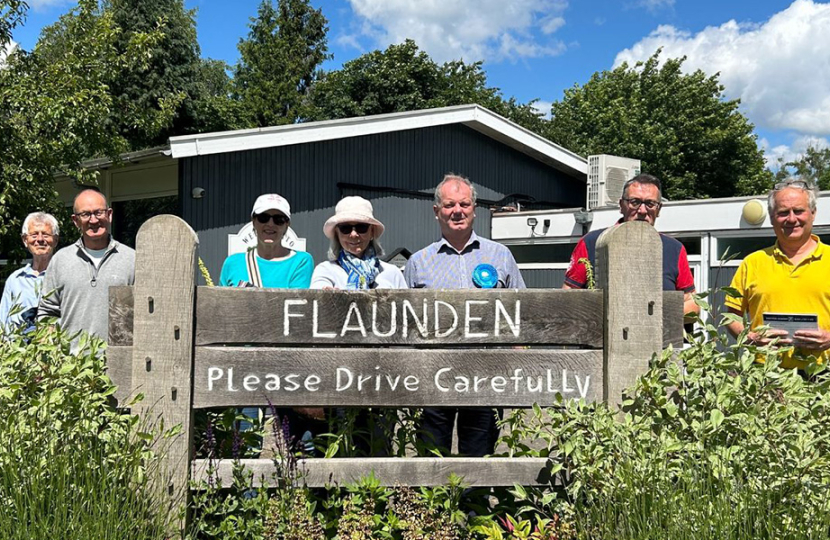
(485, 276)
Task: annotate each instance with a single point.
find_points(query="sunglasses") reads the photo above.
(277, 219)
(800, 184)
(347, 228)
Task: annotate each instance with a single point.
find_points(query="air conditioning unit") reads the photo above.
(606, 177)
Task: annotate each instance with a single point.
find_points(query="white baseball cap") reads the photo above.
(271, 201)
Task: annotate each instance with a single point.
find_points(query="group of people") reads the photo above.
(73, 285)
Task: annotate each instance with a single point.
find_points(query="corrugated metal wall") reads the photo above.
(308, 174)
(544, 279)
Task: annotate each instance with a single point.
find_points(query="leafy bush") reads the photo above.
(71, 464)
(710, 444)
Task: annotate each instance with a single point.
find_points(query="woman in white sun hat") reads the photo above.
(354, 264)
(354, 253)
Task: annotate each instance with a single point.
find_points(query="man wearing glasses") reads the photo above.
(76, 288)
(789, 278)
(641, 201)
(18, 306)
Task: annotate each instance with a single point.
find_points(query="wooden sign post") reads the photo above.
(383, 348)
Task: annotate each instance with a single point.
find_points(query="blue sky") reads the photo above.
(774, 55)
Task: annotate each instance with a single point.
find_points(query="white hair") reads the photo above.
(42, 218)
(452, 177)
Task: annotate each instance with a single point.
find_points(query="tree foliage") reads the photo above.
(279, 61)
(813, 164)
(404, 78)
(55, 106)
(679, 126)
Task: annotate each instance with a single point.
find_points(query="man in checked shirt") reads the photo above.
(461, 260)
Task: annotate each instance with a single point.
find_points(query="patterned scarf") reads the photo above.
(362, 272)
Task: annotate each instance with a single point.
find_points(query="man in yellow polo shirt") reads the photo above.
(793, 276)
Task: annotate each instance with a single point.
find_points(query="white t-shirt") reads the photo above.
(97, 255)
(331, 274)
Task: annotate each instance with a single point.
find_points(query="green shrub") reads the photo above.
(710, 444)
(71, 464)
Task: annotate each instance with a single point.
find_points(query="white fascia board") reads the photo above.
(473, 116)
(532, 141)
(252, 139)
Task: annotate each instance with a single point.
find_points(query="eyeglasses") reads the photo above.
(799, 184)
(276, 218)
(35, 236)
(99, 214)
(347, 228)
(637, 203)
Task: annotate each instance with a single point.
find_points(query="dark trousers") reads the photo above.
(477, 430)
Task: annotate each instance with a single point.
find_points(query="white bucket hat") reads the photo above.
(271, 201)
(352, 210)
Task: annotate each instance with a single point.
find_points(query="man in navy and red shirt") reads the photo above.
(641, 201)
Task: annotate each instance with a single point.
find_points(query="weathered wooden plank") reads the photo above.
(165, 285)
(352, 377)
(673, 318)
(121, 318)
(397, 317)
(476, 472)
(630, 274)
(120, 315)
(120, 371)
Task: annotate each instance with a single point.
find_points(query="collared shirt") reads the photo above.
(770, 282)
(22, 289)
(677, 276)
(441, 266)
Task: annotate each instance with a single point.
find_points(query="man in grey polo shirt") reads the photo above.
(76, 288)
(461, 260)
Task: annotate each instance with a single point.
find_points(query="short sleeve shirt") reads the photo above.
(769, 282)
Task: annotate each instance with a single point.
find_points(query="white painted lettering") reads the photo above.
(422, 326)
(462, 384)
(530, 387)
(312, 383)
(468, 319)
(393, 383)
(551, 388)
(411, 383)
(498, 381)
(437, 317)
(359, 328)
(286, 314)
(565, 388)
(291, 383)
(340, 383)
(516, 378)
(314, 324)
(272, 382)
(514, 323)
(392, 323)
(250, 383)
(214, 374)
(583, 390)
(438, 381)
(478, 381)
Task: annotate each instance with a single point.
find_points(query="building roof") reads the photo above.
(472, 116)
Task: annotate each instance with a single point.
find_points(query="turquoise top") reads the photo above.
(291, 272)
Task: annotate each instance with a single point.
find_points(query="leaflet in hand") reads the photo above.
(791, 322)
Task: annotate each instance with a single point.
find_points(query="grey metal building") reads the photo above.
(394, 160)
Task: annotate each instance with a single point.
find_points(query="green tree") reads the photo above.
(174, 67)
(679, 126)
(404, 78)
(813, 164)
(55, 111)
(12, 14)
(279, 60)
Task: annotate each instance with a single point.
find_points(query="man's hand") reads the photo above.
(767, 336)
(813, 339)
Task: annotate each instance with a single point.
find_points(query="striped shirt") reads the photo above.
(441, 266)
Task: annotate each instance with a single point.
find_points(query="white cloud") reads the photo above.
(794, 151)
(654, 5)
(543, 107)
(779, 68)
(468, 29)
(6, 50)
(43, 5)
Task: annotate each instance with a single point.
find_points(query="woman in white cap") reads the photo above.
(270, 264)
(354, 252)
